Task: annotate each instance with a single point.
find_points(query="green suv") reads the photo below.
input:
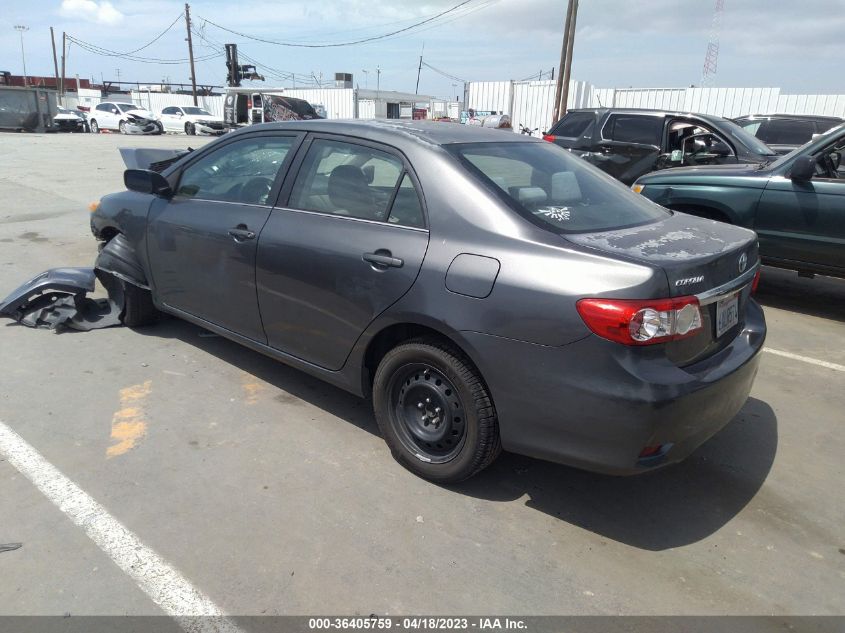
(795, 203)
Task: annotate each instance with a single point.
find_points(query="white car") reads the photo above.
(127, 118)
(191, 120)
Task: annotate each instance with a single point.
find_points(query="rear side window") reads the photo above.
(574, 124)
(554, 189)
(626, 128)
(786, 131)
(354, 180)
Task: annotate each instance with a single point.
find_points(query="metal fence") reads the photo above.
(531, 103)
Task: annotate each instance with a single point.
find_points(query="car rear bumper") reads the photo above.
(596, 405)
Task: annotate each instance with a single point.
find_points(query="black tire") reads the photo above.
(121, 127)
(469, 438)
(138, 308)
(159, 128)
(95, 129)
(190, 129)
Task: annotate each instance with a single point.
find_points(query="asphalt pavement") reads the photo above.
(269, 492)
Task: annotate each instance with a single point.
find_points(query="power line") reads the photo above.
(441, 72)
(99, 50)
(157, 37)
(336, 44)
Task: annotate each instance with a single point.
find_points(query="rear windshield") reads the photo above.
(554, 188)
(574, 124)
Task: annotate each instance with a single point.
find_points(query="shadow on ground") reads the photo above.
(668, 508)
(821, 296)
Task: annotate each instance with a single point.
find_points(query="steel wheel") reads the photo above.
(427, 413)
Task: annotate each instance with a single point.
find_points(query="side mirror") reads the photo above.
(803, 168)
(146, 181)
(180, 114)
(720, 149)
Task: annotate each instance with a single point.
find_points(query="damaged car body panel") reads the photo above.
(57, 298)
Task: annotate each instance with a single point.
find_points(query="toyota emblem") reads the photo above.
(743, 262)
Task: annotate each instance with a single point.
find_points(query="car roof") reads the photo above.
(800, 117)
(391, 131)
(650, 112)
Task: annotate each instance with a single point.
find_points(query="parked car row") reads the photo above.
(792, 193)
(129, 118)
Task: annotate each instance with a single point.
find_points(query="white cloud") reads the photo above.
(102, 12)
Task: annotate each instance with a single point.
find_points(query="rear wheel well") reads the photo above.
(701, 211)
(395, 335)
(108, 233)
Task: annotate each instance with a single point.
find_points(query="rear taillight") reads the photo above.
(642, 322)
(756, 281)
(249, 104)
(549, 137)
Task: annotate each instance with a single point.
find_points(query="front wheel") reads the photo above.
(122, 127)
(435, 412)
(190, 130)
(95, 129)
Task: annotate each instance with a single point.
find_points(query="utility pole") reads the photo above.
(64, 54)
(56, 64)
(559, 88)
(22, 29)
(567, 70)
(419, 69)
(191, 52)
(378, 81)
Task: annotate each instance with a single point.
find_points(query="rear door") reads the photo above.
(202, 241)
(629, 145)
(346, 244)
(171, 119)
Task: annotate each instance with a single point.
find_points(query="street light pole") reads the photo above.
(20, 28)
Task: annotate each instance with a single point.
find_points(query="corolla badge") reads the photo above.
(743, 262)
(689, 280)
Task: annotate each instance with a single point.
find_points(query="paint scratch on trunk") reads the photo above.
(128, 425)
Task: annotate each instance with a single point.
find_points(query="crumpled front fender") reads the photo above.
(70, 281)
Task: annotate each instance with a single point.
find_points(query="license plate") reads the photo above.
(727, 314)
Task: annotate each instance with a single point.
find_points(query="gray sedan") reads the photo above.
(487, 290)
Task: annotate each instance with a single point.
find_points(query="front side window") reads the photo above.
(555, 189)
(170, 111)
(346, 179)
(241, 172)
(625, 128)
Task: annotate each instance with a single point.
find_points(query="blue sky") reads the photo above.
(619, 43)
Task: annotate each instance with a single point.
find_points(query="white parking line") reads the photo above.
(155, 576)
(805, 359)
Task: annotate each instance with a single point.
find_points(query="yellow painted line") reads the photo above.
(128, 425)
(252, 388)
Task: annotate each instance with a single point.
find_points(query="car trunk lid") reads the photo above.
(711, 260)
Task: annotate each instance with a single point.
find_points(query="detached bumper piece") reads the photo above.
(57, 299)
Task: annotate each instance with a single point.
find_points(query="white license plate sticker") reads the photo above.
(727, 314)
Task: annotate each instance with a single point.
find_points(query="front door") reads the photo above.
(348, 244)
(804, 221)
(202, 241)
(171, 119)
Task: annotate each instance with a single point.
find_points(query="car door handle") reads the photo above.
(383, 259)
(241, 233)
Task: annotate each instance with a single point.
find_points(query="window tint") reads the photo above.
(104, 107)
(786, 131)
(241, 172)
(126, 107)
(555, 189)
(406, 207)
(750, 125)
(346, 179)
(633, 129)
(574, 124)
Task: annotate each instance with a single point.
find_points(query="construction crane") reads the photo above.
(711, 58)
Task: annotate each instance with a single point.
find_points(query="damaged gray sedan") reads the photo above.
(487, 290)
